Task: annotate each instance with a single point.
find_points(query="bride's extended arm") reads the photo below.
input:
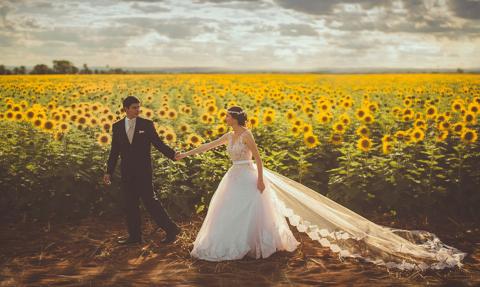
(208, 146)
(256, 155)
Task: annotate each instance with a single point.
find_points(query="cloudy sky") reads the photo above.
(248, 34)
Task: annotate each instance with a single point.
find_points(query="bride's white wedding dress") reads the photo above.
(242, 221)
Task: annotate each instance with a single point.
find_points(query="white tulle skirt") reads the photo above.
(242, 221)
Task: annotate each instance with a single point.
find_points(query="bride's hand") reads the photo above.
(261, 186)
(180, 156)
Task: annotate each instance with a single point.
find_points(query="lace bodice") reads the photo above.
(237, 149)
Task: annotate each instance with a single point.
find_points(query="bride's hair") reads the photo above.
(239, 114)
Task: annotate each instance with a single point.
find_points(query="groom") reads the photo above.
(132, 139)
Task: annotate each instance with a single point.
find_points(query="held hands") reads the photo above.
(179, 156)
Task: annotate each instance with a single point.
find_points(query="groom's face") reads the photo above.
(133, 110)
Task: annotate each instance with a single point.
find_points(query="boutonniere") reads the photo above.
(141, 131)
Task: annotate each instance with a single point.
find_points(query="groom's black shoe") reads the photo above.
(171, 236)
(129, 240)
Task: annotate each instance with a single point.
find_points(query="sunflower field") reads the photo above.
(404, 144)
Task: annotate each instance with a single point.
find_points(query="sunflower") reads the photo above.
(194, 139)
(387, 138)
(103, 139)
(221, 114)
(267, 118)
(323, 118)
(360, 114)
(417, 135)
(170, 136)
(48, 125)
(221, 129)
(431, 112)
(363, 131)
(368, 119)
(253, 121)
(474, 107)
(9, 115)
(470, 118)
(458, 127)
(387, 147)
(421, 124)
(38, 123)
(345, 119)
(212, 109)
(400, 135)
(205, 118)
(64, 127)
(184, 128)
(172, 114)
(442, 136)
(364, 144)
(106, 127)
(30, 114)
(457, 105)
(444, 126)
(336, 139)
(18, 116)
(339, 127)
(307, 128)
(291, 115)
(295, 130)
(310, 140)
(469, 136)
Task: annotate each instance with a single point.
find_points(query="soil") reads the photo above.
(85, 253)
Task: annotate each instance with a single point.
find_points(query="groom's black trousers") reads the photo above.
(136, 187)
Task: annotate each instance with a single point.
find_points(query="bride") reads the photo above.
(247, 216)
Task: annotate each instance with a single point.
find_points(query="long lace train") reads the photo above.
(351, 235)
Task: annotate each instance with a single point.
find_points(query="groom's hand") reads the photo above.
(106, 179)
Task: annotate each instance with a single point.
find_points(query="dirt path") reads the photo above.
(85, 254)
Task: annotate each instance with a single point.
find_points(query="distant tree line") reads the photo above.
(59, 67)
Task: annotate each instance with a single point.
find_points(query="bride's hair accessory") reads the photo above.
(237, 112)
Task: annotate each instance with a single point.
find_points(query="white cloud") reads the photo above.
(297, 34)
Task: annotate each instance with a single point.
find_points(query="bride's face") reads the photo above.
(229, 120)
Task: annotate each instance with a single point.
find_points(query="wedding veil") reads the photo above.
(351, 235)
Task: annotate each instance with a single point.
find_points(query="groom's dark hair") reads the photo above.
(128, 101)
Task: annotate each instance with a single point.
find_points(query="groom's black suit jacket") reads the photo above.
(135, 156)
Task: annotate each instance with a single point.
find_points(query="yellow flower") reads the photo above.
(172, 114)
(387, 147)
(431, 112)
(268, 118)
(469, 136)
(48, 125)
(339, 127)
(307, 128)
(417, 135)
(470, 118)
(221, 129)
(364, 144)
(253, 122)
(310, 140)
(442, 136)
(360, 114)
(194, 139)
(103, 139)
(336, 139)
(363, 131)
(458, 127)
(170, 136)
